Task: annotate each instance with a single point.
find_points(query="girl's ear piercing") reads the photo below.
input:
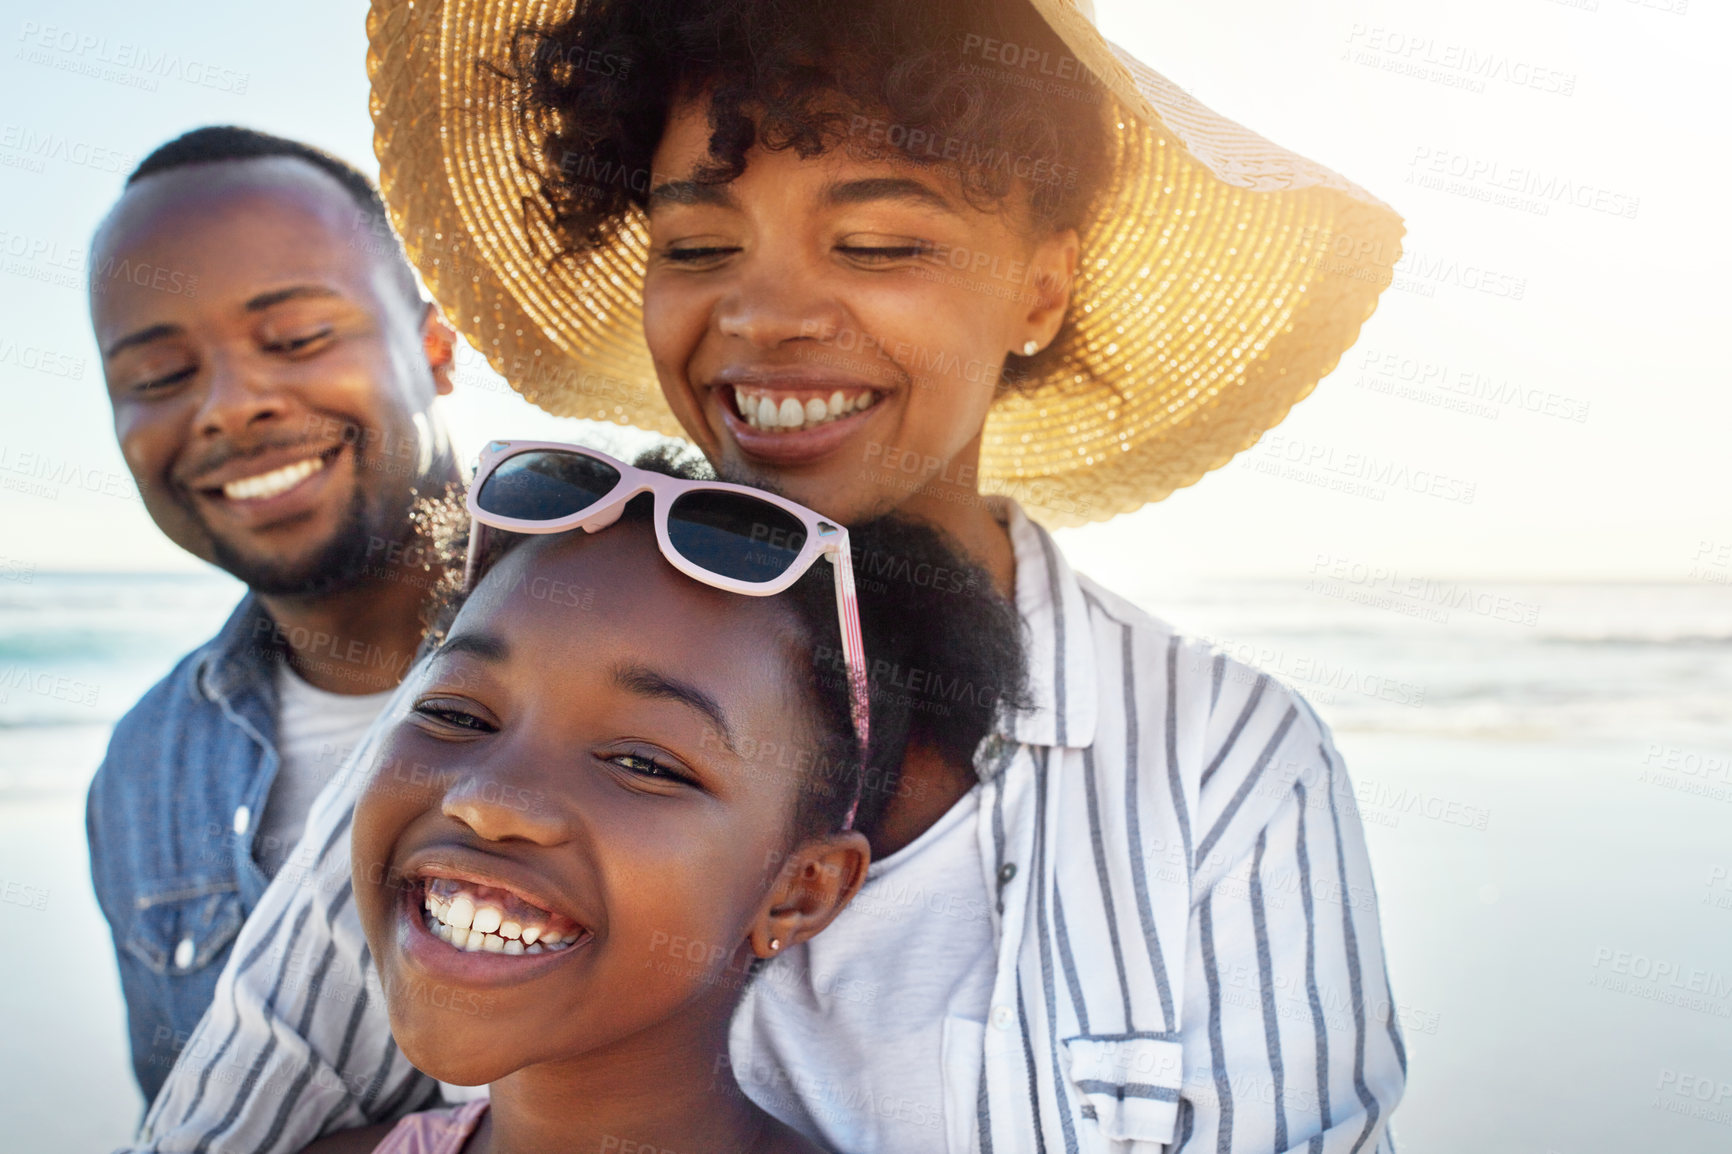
(1030, 348)
(775, 944)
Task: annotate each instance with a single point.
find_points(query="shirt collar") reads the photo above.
(1062, 678)
(243, 654)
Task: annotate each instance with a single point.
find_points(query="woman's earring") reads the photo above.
(1030, 348)
(775, 944)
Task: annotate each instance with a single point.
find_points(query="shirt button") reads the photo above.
(1006, 872)
(1001, 1017)
(243, 819)
(183, 953)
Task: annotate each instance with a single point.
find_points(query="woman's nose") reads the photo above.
(769, 308)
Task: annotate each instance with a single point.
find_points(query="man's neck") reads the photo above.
(358, 640)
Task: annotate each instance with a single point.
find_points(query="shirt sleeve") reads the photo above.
(297, 1042)
(1290, 1040)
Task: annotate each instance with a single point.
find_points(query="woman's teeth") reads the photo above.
(476, 924)
(274, 483)
(789, 414)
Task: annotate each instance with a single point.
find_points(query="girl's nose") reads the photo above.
(503, 807)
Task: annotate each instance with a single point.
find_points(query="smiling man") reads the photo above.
(272, 369)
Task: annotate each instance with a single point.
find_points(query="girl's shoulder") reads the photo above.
(434, 1131)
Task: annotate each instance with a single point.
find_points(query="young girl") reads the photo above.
(619, 790)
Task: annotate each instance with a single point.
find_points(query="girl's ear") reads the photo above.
(816, 883)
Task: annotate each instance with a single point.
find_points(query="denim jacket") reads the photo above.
(171, 817)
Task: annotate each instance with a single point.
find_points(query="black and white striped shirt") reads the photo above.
(1189, 953)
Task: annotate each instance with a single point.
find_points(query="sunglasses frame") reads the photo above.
(824, 538)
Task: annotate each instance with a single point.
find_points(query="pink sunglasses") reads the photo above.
(732, 537)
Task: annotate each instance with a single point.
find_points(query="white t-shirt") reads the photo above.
(921, 924)
(315, 732)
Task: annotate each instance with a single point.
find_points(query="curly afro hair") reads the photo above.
(966, 85)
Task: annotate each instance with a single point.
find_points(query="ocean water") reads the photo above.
(1544, 772)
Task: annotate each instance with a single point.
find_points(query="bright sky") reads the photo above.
(1592, 415)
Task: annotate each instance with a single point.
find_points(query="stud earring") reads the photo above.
(775, 944)
(1030, 348)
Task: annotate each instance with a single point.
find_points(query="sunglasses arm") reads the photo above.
(853, 648)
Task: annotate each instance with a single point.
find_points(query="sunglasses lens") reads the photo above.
(545, 485)
(733, 535)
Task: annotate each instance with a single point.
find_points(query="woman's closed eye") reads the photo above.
(869, 254)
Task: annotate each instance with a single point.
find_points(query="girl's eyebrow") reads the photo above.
(647, 682)
(486, 646)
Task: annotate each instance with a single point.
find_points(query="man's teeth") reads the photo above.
(476, 924)
(273, 483)
(763, 411)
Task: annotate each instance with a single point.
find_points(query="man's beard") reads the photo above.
(340, 564)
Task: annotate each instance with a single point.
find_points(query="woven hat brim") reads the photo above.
(1223, 276)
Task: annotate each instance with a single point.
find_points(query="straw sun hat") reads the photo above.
(1221, 276)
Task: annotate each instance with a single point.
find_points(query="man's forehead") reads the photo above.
(265, 199)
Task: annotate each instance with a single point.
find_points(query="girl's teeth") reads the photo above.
(473, 925)
(791, 414)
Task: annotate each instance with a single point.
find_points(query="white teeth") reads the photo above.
(764, 412)
(274, 483)
(471, 926)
